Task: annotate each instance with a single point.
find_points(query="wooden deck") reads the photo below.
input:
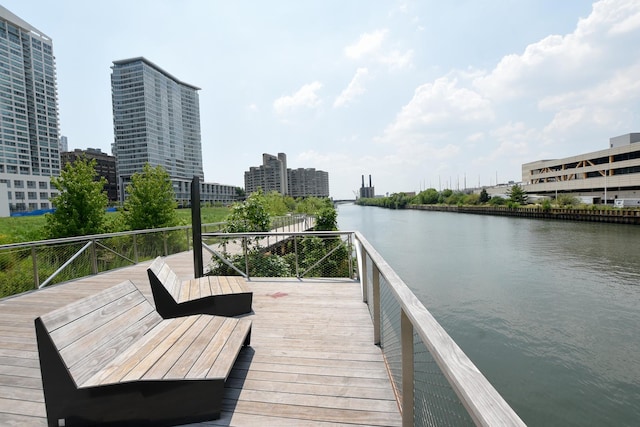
(311, 361)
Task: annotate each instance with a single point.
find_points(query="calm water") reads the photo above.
(548, 311)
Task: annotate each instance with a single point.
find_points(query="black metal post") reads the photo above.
(196, 228)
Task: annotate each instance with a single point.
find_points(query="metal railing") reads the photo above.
(32, 265)
(281, 254)
(435, 382)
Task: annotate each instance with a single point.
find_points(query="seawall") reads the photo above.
(618, 216)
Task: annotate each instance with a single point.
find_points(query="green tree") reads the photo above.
(250, 215)
(151, 201)
(81, 202)
(517, 195)
(429, 196)
(327, 219)
(484, 196)
(240, 193)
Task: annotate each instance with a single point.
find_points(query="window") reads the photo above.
(18, 184)
(19, 195)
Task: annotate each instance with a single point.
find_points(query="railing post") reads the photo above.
(135, 248)
(36, 277)
(164, 238)
(295, 250)
(364, 279)
(94, 258)
(406, 333)
(246, 257)
(376, 304)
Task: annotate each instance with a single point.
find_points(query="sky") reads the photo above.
(417, 94)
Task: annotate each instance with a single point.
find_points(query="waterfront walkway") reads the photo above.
(311, 362)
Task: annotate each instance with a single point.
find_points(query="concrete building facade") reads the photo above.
(156, 120)
(29, 125)
(105, 167)
(604, 175)
(273, 175)
(308, 182)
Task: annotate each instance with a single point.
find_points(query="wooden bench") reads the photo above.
(112, 359)
(219, 295)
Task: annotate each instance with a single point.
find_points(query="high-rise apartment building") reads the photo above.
(273, 175)
(270, 176)
(308, 182)
(156, 120)
(29, 128)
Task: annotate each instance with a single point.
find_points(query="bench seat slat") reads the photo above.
(95, 336)
(198, 349)
(203, 365)
(99, 359)
(224, 285)
(64, 315)
(214, 285)
(226, 358)
(138, 358)
(164, 363)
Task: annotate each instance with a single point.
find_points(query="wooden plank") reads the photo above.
(62, 316)
(202, 366)
(22, 407)
(96, 326)
(204, 287)
(134, 362)
(162, 364)
(214, 284)
(229, 352)
(304, 413)
(198, 348)
(225, 287)
(15, 420)
(104, 354)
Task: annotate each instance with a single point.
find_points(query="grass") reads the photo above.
(31, 228)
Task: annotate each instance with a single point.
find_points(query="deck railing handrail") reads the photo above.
(481, 400)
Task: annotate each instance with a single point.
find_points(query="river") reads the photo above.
(549, 311)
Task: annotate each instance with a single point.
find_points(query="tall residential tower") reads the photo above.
(156, 120)
(29, 128)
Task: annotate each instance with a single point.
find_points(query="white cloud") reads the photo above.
(354, 89)
(305, 97)
(371, 46)
(367, 44)
(436, 106)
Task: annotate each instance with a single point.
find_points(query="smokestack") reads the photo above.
(362, 181)
(370, 181)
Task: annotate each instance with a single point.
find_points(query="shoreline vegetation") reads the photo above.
(565, 207)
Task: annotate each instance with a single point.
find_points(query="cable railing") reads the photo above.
(436, 384)
(33, 265)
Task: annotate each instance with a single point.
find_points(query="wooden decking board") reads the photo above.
(311, 362)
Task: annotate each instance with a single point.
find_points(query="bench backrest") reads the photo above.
(166, 277)
(90, 332)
